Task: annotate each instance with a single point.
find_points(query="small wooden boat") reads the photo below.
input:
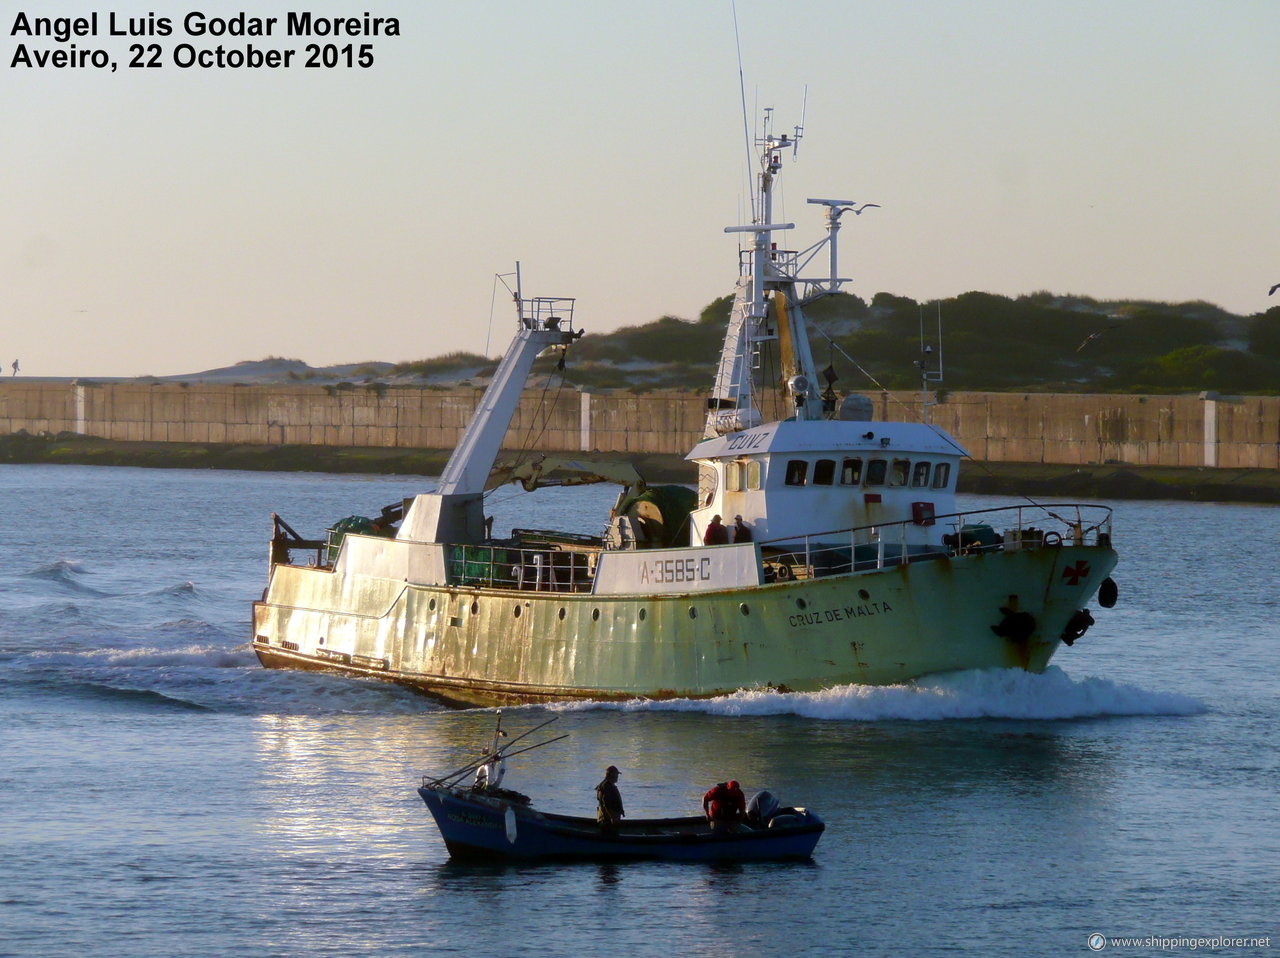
(483, 820)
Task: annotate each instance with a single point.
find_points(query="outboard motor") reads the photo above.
(762, 807)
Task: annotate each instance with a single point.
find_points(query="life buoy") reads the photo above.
(1108, 592)
(1052, 538)
(1077, 626)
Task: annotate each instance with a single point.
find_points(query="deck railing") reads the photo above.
(866, 548)
(535, 561)
(555, 562)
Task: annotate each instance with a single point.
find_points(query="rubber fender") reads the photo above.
(1108, 592)
(1017, 626)
(1077, 626)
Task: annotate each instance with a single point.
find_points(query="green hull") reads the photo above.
(481, 647)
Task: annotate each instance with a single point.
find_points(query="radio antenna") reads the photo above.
(746, 125)
(804, 106)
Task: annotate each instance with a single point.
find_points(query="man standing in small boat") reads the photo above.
(609, 801)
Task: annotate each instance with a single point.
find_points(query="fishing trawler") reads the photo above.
(849, 562)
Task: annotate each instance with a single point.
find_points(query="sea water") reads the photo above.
(162, 795)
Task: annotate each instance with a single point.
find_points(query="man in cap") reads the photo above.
(716, 534)
(609, 801)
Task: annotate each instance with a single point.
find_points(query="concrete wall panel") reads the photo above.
(1231, 432)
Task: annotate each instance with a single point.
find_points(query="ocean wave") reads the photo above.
(146, 698)
(181, 589)
(226, 680)
(197, 630)
(64, 572)
(61, 611)
(973, 694)
(191, 656)
(285, 692)
(60, 568)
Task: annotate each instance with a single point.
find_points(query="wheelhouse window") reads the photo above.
(901, 469)
(851, 472)
(753, 474)
(876, 470)
(942, 475)
(824, 472)
(920, 475)
(797, 472)
(733, 477)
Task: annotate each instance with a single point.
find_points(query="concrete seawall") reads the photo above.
(1069, 429)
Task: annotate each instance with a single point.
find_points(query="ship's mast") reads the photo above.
(766, 307)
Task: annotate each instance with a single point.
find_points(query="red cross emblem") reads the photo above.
(1076, 572)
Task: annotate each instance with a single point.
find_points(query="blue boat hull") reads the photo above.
(479, 825)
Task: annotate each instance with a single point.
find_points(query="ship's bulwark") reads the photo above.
(480, 647)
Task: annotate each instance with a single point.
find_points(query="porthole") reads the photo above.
(561, 613)
(595, 615)
(693, 612)
(745, 609)
(431, 606)
(516, 612)
(801, 604)
(475, 606)
(643, 614)
(864, 595)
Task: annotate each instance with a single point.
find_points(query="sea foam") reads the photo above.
(977, 693)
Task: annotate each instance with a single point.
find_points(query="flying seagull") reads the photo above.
(1273, 289)
(1092, 336)
(856, 210)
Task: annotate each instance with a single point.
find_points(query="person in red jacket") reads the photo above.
(716, 534)
(724, 805)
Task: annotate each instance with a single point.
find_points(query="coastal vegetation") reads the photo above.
(1041, 342)
(1036, 343)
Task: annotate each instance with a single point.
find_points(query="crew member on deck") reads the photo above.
(609, 801)
(725, 806)
(716, 534)
(740, 532)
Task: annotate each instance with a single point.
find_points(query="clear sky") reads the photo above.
(169, 220)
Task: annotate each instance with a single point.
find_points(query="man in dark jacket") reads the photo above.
(609, 801)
